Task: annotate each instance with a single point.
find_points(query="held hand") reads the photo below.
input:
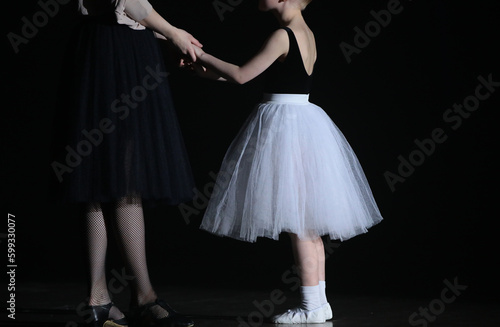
(186, 43)
(198, 52)
(186, 62)
(199, 69)
(204, 72)
(195, 67)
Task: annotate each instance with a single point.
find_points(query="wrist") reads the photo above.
(168, 31)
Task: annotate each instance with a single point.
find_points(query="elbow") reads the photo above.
(240, 79)
(240, 76)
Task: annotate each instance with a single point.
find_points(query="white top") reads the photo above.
(127, 12)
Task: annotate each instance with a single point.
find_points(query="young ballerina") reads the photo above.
(290, 168)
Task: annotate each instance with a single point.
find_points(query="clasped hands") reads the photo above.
(191, 49)
(192, 61)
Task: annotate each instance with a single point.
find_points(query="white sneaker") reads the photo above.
(327, 310)
(301, 316)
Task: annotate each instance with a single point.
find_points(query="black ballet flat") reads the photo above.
(144, 317)
(100, 317)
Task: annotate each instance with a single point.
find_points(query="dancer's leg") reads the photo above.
(320, 249)
(130, 230)
(97, 244)
(305, 250)
(320, 252)
(307, 261)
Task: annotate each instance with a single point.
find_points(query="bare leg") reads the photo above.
(307, 259)
(308, 262)
(320, 250)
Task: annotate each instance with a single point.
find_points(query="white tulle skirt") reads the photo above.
(290, 169)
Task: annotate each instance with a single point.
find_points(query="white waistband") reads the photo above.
(285, 98)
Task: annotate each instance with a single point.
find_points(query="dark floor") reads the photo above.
(51, 304)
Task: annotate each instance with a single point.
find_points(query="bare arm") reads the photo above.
(275, 46)
(184, 41)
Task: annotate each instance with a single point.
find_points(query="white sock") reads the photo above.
(322, 292)
(310, 297)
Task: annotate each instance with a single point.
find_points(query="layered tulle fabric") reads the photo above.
(117, 129)
(290, 169)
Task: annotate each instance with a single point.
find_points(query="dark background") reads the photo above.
(439, 224)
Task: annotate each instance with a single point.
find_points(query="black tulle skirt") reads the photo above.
(117, 132)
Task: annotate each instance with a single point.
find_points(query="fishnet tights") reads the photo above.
(126, 220)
